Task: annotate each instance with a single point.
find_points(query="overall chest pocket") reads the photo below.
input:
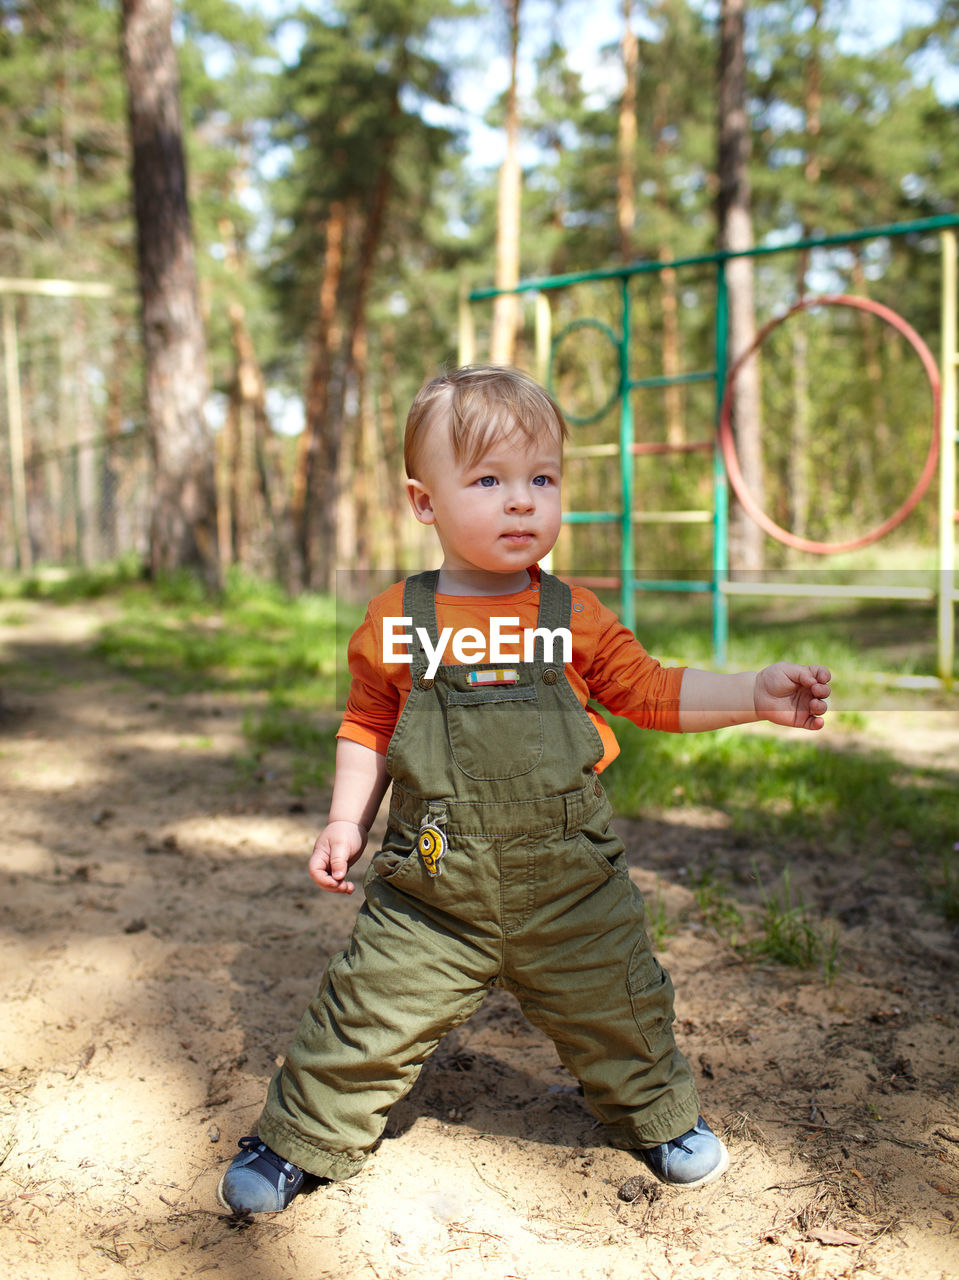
(495, 733)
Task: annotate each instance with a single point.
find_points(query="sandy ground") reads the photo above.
(159, 938)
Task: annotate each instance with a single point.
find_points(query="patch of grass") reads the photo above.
(717, 907)
(791, 788)
(792, 935)
(946, 885)
(895, 637)
(252, 637)
(661, 925)
(70, 585)
(311, 744)
(798, 791)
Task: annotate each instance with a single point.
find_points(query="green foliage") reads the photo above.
(717, 906)
(278, 654)
(945, 881)
(350, 119)
(865, 643)
(284, 725)
(254, 638)
(63, 177)
(788, 790)
(66, 586)
(791, 934)
(661, 926)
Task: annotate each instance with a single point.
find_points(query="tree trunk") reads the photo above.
(312, 460)
(673, 393)
(225, 451)
(114, 459)
(183, 530)
(882, 438)
(506, 307)
(628, 133)
(736, 234)
(320, 519)
(393, 498)
(264, 482)
(798, 476)
(361, 538)
(88, 499)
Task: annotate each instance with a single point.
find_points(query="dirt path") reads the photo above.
(159, 936)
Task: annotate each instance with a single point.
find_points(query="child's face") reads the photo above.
(494, 516)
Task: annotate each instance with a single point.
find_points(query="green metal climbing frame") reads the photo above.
(719, 586)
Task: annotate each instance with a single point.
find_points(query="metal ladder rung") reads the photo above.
(592, 451)
(664, 584)
(591, 517)
(671, 380)
(594, 583)
(672, 517)
(822, 590)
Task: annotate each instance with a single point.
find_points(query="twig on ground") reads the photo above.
(499, 1190)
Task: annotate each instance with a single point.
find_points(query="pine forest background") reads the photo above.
(342, 197)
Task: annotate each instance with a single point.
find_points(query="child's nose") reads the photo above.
(520, 499)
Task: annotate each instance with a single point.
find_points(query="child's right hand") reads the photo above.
(337, 847)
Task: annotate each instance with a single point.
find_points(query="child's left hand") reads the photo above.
(788, 694)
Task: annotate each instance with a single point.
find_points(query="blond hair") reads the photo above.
(477, 403)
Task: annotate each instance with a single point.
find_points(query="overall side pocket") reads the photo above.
(651, 997)
(396, 854)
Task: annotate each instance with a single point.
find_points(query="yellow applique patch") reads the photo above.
(432, 846)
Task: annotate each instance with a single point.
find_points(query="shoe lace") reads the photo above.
(285, 1167)
(681, 1142)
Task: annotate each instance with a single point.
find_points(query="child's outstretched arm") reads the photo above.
(784, 693)
(358, 787)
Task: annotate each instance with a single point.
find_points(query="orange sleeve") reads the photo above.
(620, 673)
(376, 698)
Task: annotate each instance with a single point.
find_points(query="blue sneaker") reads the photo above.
(258, 1180)
(692, 1160)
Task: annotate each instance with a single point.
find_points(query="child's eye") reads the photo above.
(486, 482)
(542, 481)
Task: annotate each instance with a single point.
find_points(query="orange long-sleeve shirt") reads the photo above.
(608, 664)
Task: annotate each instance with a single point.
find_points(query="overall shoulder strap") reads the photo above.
(555, 607)
(419, 603)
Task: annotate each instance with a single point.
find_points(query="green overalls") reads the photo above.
(532, 893)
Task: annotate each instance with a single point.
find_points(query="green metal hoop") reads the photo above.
(588, 419)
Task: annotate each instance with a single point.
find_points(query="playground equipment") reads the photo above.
(725, 469)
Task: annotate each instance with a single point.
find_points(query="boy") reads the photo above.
(469, 694)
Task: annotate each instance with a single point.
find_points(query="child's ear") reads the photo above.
(420, 501)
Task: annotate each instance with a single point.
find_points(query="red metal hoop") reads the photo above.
(728, 445)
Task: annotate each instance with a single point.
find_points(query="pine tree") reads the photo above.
(350, 128)
(183, 529)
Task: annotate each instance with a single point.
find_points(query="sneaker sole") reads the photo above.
(222, 1198)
